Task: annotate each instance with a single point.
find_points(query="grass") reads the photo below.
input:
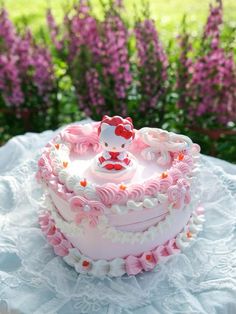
(167, 13)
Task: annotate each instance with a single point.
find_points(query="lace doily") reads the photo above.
(34, 280)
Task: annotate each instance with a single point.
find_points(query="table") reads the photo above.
(200, 280)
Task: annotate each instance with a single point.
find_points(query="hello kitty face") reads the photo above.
(115, 138)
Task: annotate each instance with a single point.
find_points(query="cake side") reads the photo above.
(106, 221)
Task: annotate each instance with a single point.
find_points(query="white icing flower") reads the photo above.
(100, 268)
(117, 267)
(71, 181)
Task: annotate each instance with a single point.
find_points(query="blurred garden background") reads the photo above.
(166, 63)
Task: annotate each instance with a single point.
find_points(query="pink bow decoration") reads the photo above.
(122, 131)
(86, 209)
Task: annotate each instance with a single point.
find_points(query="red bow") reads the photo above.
(122, 131)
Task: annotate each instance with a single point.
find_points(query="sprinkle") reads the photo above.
(65, 164)
(57, 146)
(149, 257)
(85, 264)
(122, 187)
(181, 156)
(83, 183)
(189, 234)
(164, 175)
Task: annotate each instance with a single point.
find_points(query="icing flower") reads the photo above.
(179, 194)
(152, 187)
(82, 137)
(45, 169)
(133, 265)
(107, 193)
(171, 247)
(161, 144)
(186, 184)
(147, 260)
(165, 183)
(159, 253)
(136, 192)
(54, 236)
(86, 209)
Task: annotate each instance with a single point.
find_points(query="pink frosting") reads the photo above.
(82, 137)
(84, 208)
(54, 236)
(152, 187)
(136, 192)
(183, 167)
(186, 184)
(165, 183)
(175, 174)
(176, 194)
(159, 252)
(121, 197)
(137, 144)
(195, 149)
(188, 160)
(133, 265)
(45, 168)
(148, 261)
(171, 247)
(107, 193)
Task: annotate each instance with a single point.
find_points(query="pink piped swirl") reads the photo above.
(86, 209)
(133, 265)
(183, 167)
(175, 174)
(148, 261)
(137, 144)
(171, 247)
(160, 252)
(136, 192)
(195, 149)
(176, 195)
(152, 187)
(165, 183)
(188, 160)
(83, 137)
(45, 169)
(186, 184)
(54, 236)
(121, 197)
(107, 193)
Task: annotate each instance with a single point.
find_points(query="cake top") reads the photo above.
(111, 162)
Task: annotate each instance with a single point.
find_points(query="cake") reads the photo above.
(117, 201)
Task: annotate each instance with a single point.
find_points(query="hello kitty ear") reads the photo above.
(128, 127)
(104, 126)
(129, 119)
(105, 117)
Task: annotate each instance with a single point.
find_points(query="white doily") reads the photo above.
(34, 280)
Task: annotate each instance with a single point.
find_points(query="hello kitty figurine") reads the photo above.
(115, 136)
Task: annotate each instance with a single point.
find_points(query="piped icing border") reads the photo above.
(108, 231)
(131, 265)
(173, 185)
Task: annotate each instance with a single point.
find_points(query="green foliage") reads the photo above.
(168, 20)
